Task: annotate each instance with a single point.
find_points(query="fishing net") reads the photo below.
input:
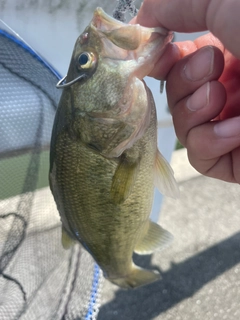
(38, 278)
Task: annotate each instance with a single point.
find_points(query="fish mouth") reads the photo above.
(103, 22)
(141, 45)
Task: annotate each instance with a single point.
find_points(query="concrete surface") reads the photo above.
(201, 268)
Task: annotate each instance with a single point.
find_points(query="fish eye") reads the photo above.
(86, 60)
(83, 59)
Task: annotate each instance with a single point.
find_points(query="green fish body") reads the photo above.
(104, 159)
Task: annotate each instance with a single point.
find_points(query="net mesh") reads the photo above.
(38, 278)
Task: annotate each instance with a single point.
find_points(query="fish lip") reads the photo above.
(104, 22)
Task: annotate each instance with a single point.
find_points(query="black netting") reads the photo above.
(38, 279)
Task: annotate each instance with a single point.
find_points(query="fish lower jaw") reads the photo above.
(144, 66)
(141, 60)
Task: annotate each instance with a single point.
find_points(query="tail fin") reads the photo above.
(138, 277)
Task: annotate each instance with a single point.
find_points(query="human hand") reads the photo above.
(203, 83)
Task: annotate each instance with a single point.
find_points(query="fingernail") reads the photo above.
(228, 128)
(199, 99)
(200, 65)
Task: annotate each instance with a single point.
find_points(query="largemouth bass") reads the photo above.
(104, 159)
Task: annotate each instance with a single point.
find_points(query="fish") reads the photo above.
(104, 159)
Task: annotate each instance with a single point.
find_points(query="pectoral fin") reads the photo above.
(67, 241)
(123, 181)
(155, 238)
(164, 177)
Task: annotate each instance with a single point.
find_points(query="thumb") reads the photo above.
(219, 17)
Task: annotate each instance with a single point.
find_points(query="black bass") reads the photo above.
(104, 159)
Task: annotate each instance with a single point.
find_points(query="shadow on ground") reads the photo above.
(179, 282)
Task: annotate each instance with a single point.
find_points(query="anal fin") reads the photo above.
(155, 238)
